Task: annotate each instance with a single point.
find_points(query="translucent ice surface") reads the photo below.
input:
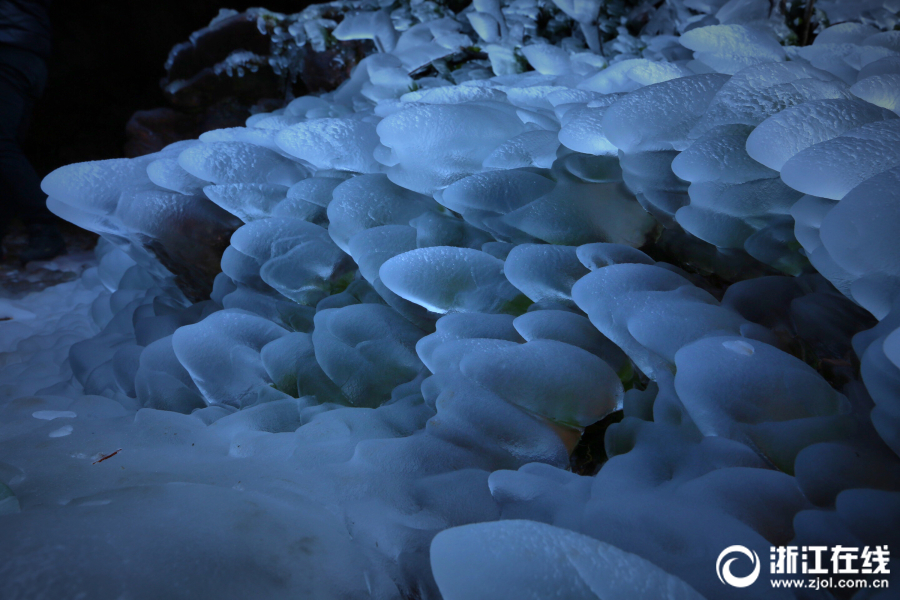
(331, 144)
(545, 561)
(455, 143)
(546, 300)
(781, 136)
(444, 279)
(832, 168)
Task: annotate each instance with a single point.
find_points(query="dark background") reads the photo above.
(108, 59)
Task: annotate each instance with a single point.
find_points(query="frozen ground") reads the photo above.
(516, 235)
(17, 281)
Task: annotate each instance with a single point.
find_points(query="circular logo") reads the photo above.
(724, 570)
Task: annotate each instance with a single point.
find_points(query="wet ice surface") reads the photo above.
(432, 291)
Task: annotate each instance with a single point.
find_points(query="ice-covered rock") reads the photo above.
(532, 376)
(247, 201)
(544, 272)
(239, 162)
(786, 408)
(342, 144)
(578, 212)
(444, 279)
(454, 144)
(651, 313)
(366, 350)
(730, 48)
(777, 139)
(832, 168)
(534, 560)
(880, 90)
(230, 337)
(660, 116)
(457, 291)
(856, 233)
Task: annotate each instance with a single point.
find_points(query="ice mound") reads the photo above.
(444, 280)
(512, 556)
(651, 312)
(731, 48)
(331, 144)
(781, 136)
(152, 223)
(823, 168)
(366, 350)
(238, 162)
(456, 142)
(803, 408)
(463, 329)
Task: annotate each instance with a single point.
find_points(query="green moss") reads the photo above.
(590, 453)
(518, 305)
(627, 375)
(522, 64)
(340, 284)
(330, 40)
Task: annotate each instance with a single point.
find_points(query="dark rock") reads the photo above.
(192, 245)
(213, 44)
(214, 84)
(325, 71)
(152, 130)
(223, 74)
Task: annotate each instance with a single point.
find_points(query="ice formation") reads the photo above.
(510, 224)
